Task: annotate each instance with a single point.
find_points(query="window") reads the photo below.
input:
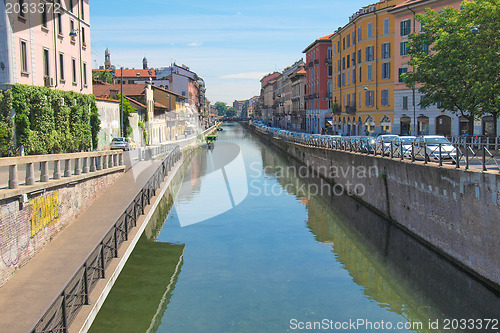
(61, 66)
(348, 40)
(405, 27)
(369, 73)
(46, 63)
(359, 34)
(338, 45)
(330, 71)
(71, 6)
(45, 18)
(338, 80)
(369, 98)
(386, 26)
(354, 76)
(369, 29)
(359, 99)
(386, 70)
(338, 65)
(359, 56)
(353, 57)
(348, 60)
(360, 77)
(403, 48)
(405, 102)
(369, 53)
(386, 50)
(74, 70)
(84, 74)
(22, 12)
(84, 43)
(400, 72)
(82, 3)
(348, 77)
(348, 100)
(343, 79)
(353, 37)
(59, 24)
(385, 97)
(24, 57)
(343, 63)
(425, 49)
(343, 43)
(420, 103)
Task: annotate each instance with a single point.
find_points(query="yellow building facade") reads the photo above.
(363, 71)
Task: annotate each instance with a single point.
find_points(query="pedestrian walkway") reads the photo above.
(33, 288)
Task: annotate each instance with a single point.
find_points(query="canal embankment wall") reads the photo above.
(456, 212)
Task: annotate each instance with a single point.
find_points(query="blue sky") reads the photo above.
(231, 44)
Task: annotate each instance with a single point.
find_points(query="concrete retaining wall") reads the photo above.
(26, 227)
(456, 212)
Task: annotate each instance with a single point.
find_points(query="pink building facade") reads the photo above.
(48, 45)
(319, 84)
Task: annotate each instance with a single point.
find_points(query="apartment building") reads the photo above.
(363, 69)
(319, 84)
(49, 46)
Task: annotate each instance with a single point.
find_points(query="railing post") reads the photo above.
(63, 313)
(30, 174)
(78, 171)
(392, 150)
(92, 163)
(44, 172)
(484, 157)
(104, 162)
(85, 285)
(467, 156)
(440, 157)
(13, 182)
(457, 162)
(120, 159)
(115, 234)
(57, 169)
(67, 168)
(425, 153)
(85, 168)
(413, 152)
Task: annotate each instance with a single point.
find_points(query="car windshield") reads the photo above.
(389, 138)
(117, 139)
(436, 141)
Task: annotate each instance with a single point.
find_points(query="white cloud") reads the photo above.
(195, 44)
(245, 76)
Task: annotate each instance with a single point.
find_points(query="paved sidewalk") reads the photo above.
(32, 289)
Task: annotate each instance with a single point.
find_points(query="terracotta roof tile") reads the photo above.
(128, 89)
(139, 73)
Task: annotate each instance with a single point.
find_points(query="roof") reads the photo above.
(107, 99)
(139, 73)
(168, 91)
(161, 106)
(302, 71)
(133, 101)
(406, 3)
(128, 89)
(320, 40)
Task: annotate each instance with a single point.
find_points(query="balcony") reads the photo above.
(350, 109)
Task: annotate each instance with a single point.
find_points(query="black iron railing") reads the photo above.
(63, 311)
(467, 155)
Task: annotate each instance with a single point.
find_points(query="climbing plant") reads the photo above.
(51, 121)
(6, 123)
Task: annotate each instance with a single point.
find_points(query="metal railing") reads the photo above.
(471, 155)
(63, 311)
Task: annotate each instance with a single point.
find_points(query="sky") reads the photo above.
(230, 44)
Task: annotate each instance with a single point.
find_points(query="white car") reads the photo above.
(383, 143)
(404, 143)
(434, 148)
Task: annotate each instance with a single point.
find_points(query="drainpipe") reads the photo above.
(413, 88)
(376, 60)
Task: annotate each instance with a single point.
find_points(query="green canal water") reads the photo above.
(246, 242)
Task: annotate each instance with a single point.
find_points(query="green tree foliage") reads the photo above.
(221, 108)
(54, 121)
(104, 76)
(231, 112)
(6, 124)
(456, 59)
(127, 110)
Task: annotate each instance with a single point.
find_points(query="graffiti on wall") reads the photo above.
(14, 234)
(44, 212)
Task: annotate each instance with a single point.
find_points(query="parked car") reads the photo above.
(120, 143)
(383, 143)
(428, 147)
(404, 143)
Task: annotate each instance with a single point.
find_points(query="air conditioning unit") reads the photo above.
(48, 81)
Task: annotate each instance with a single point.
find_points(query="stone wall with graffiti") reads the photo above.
(26, 227)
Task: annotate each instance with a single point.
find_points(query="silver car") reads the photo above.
(403, 144)
(120, 143)
(434, 148)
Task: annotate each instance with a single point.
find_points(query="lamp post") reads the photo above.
(121, 103)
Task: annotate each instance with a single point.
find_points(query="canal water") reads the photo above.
(249, 241)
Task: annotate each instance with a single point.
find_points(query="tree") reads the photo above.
(221, 108)
(455, 58)
(231, 112)
(127, 110)
(104, 76)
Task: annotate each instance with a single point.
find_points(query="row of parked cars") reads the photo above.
(122, 143)
(425, 147)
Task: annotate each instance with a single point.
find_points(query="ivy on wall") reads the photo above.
(6, 123)
(50, 121)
